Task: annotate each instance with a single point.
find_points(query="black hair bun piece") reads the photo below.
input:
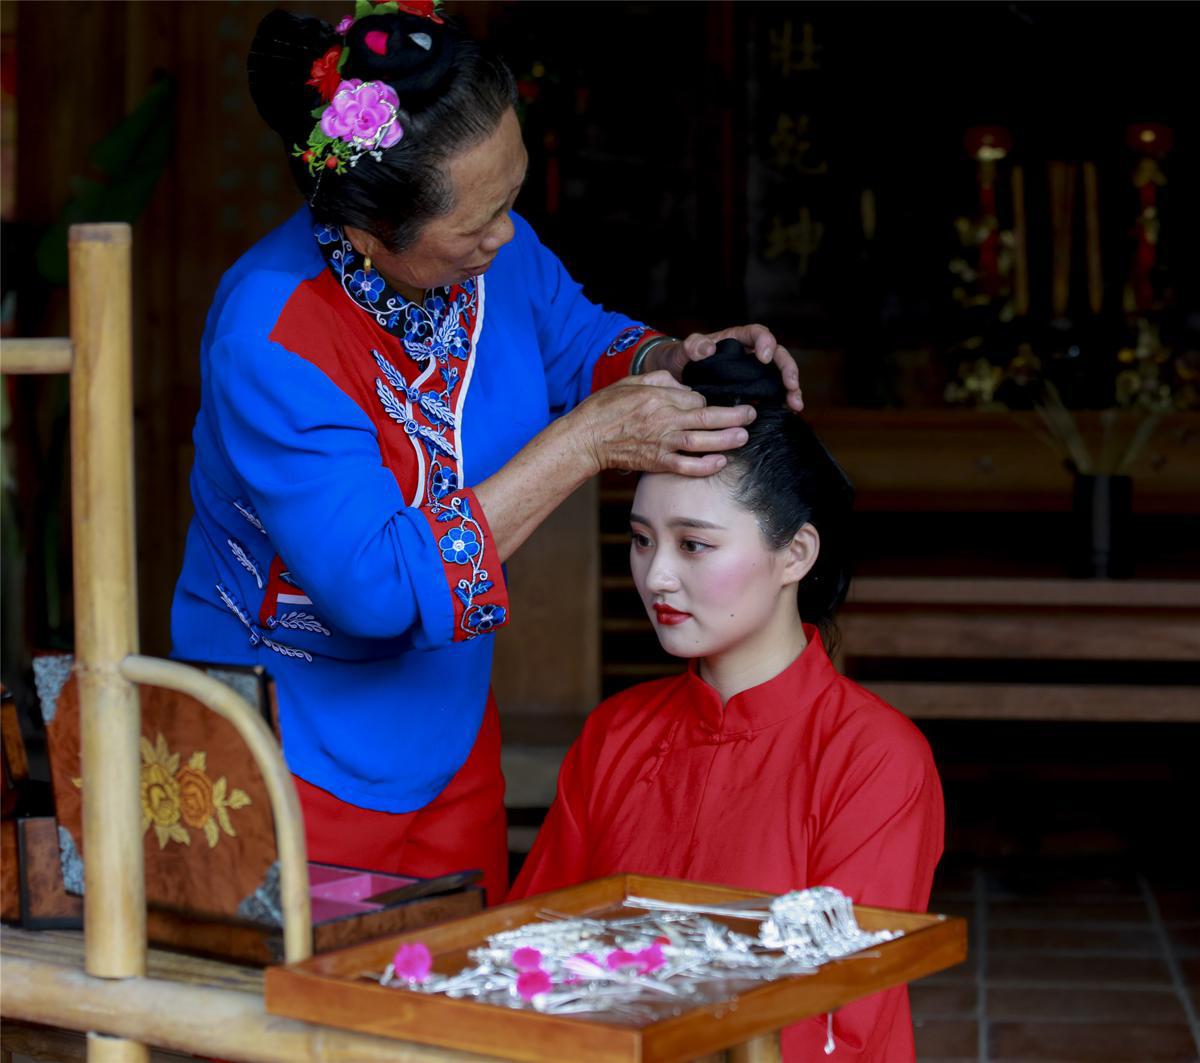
(279, 65)
(414, 55)
(733, 376)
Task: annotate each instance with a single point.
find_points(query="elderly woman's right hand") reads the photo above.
(644, 424)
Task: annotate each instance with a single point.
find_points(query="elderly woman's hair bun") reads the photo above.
(279, 65)
(413, 54)
(452, 90)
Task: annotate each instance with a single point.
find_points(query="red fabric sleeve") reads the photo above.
(470, 563)
(559, 856)
(879, 843)
(614, 363)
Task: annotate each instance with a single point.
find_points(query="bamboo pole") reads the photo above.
(285, 805)
(204, 1019)
(36, 356)
(106, 606)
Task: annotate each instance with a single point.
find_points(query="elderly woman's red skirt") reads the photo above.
(463, 827)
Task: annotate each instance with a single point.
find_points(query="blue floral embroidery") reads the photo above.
(398, 405)
(462, 545)
(432, 330)
(625, 340)
(298, 621)
(442, 481)
(244, 559)
(249, 512)
(459, 546)
(483, 618)
(255, 637)
(367, 284)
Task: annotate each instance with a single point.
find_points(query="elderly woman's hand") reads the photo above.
(674, 356)
(643, 424)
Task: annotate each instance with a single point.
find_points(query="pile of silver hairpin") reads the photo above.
(655, 964)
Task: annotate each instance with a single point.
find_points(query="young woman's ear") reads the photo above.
(802, 553)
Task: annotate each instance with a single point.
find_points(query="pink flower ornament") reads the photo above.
(343, 27)
(651, 958)
(527, 959)
(412, 962)
(532, 984)
(620, 958)
(363, 114)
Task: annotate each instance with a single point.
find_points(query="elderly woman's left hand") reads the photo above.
(757, 338)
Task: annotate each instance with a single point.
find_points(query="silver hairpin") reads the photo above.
(640, 967)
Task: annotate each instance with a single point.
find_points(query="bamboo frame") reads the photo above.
(213, 1020)
(106, 609)
(99, 359)
(36, 356)
(289, 828)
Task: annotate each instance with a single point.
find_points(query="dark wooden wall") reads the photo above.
(83, 67)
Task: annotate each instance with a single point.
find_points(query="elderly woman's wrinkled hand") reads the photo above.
(757, 338)
(653, 423)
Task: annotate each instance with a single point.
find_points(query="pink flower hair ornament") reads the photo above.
(361, 119)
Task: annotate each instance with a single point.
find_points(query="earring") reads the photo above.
(366, 263)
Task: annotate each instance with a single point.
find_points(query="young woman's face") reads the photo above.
(708, 579)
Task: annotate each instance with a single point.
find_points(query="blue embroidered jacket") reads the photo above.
(335, 540)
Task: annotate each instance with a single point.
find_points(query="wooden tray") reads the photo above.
(335, 988)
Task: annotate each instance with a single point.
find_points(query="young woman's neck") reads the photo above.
(756, 660)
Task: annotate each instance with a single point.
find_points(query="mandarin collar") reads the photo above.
(367, 289)
(781, 697)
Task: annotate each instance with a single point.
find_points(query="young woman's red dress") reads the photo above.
(805, 780)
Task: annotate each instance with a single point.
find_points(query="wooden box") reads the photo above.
(212, 874)
(341, 988)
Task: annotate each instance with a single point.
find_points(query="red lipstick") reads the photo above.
(669, 616)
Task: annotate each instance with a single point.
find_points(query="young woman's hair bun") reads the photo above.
(733, 377)
(783, 474)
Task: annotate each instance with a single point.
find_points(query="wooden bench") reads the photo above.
(926, 625)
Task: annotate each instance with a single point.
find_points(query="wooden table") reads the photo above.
(1150, 626)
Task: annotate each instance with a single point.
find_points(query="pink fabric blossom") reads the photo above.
(619, 958)
(359, 110)
(527, 959)
(412, 962)
(343, 27)
(533, 983)
(651, 958)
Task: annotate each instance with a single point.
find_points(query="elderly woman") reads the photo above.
(399, 384)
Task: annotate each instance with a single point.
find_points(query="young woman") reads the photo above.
(760, 766)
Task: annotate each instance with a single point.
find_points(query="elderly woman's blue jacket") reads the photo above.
(336, 540)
